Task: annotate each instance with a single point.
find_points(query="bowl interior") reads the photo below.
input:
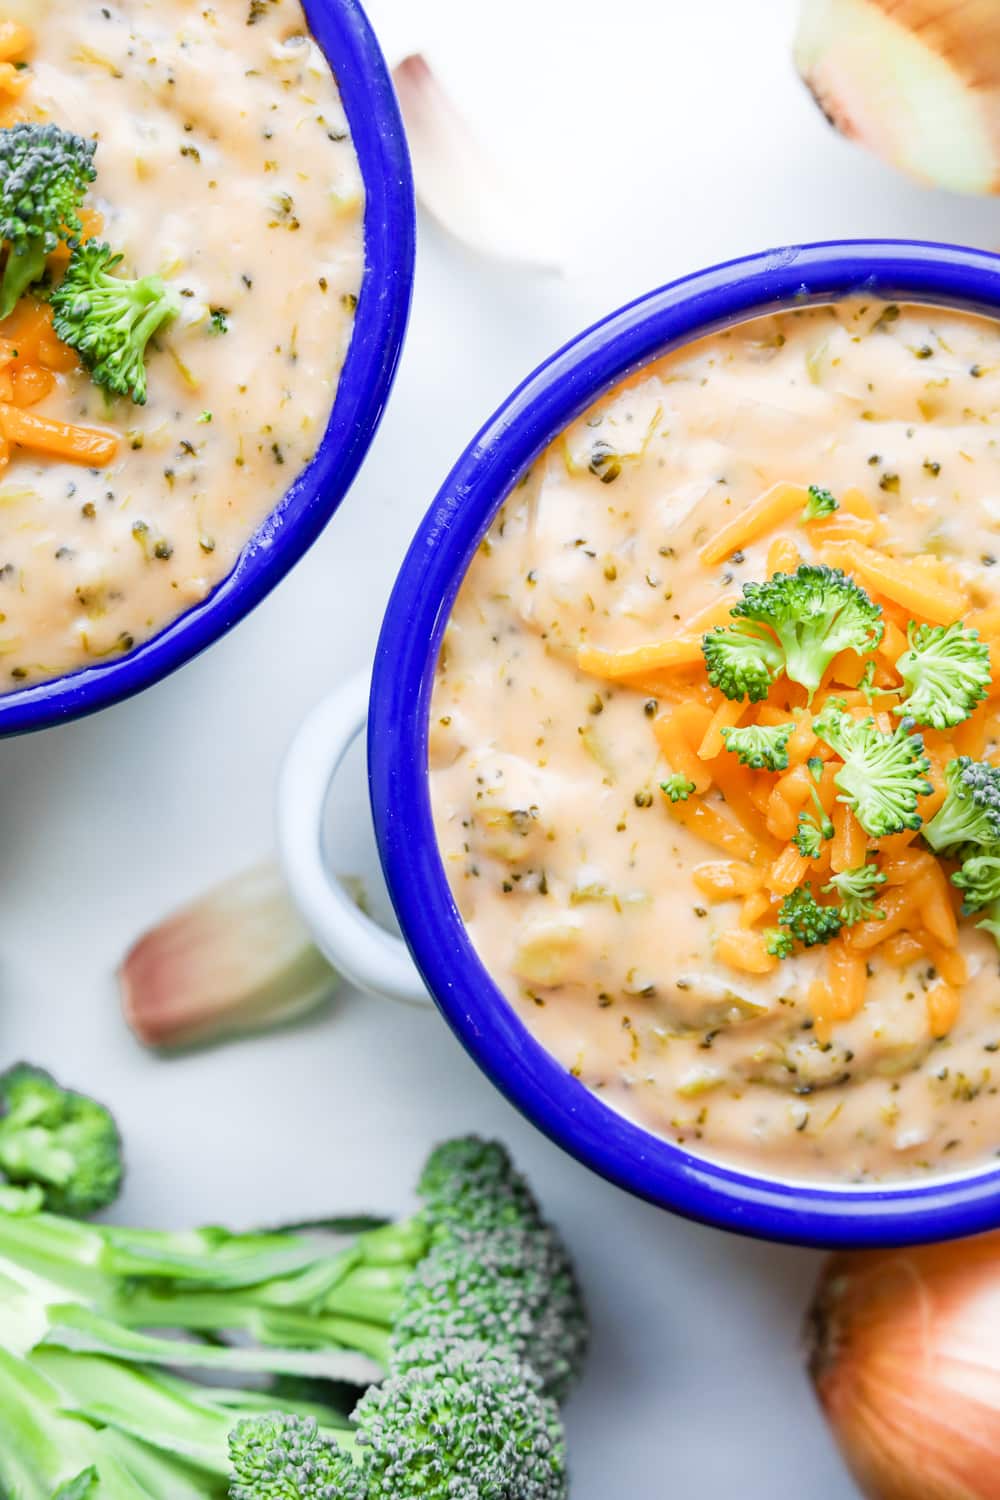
(418, 612)
(345, 36)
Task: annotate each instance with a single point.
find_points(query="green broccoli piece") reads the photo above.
(970, 813)
(979, 881)
(946, 672)
(21, 1200)
(779, 943)
(808, 922)
(820, 503)
(866, 682)
(58, 1141)
(678, 788)
(44, 175)
(815, 613)
(883, 775)
(278, 1456)
(761, 747)
(741, 661)
(809, 835)
(471, 1186)
(109, 320)
(857, 890)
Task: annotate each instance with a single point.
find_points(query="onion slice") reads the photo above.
(916, 81)
(238, 960)
(460, 184)
(905, 1356)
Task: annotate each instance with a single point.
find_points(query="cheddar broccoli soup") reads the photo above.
(182, 218)
(715, 745)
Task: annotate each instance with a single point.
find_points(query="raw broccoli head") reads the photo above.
(470, 1185)
(463, 1423)
(815, 613)
(970, 813)
(44, 175)
(759, 746)
(283, 1457)
(883, 775)
(514, 1288)
(820, 503)
(109, 320)
(64, 1142)
(742, 660)
(856, 890)
(678, 788)
(946, 672)
(808, 922)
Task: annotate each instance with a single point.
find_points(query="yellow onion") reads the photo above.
(905, 1356)
(916, 81)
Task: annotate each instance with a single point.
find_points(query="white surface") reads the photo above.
(674, 134)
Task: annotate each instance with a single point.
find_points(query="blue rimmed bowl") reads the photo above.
(438, 956)
(342, 30)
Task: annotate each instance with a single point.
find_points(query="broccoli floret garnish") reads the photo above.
(866, 682)
(946, 672)
(278, 1456)
(63, 1143)
(779, 943)
(44, 175)
(820, 503)
(678, 788)
(970, 813)
(857, 890)
(809, 835)
(761, 747)
(110, 320)
(979, 880)
(815, 613)
(807, 921)
(741, 661)
(883, 775)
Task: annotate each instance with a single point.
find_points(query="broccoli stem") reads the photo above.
(23, 269)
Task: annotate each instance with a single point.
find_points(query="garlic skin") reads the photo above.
(238, 960)
(904, 1352)
(916, 81)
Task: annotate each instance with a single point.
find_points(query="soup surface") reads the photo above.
(631, 932)
(225, 165)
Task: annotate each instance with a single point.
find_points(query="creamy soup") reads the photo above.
(225, 165)
(598, 904)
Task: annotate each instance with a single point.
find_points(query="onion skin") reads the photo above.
(916, 81)
(904, 1353)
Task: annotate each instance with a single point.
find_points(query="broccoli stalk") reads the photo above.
(946, 672)
(796, 623)
(44, 175)
(109, 320)
(759, 746)
(857, 890)
(464, 1420)
(62, 1145)
(883, 775)
(970, 813)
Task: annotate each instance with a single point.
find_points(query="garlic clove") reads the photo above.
(240, 959)
(461, 185)
(915, 81)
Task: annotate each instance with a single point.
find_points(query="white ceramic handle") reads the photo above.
(357, 947)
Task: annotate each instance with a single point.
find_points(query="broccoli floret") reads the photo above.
(283, 1457)
(44, 175)
(946, 672)
(510, 1287)
(820, 503)
(809, 835)
(469, 1185)
(761, 747)
(970, 813)
(109, 320)
(857, 890)
(468, 1424)
(64, 1143)
(741, 661)
(808, 922)
(883, 775)
(815, 613)
(21, 1200)
(779, 943)
(979, 881)
(678, 788)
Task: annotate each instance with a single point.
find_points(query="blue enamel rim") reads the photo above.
(346, 37)
(419, 608)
